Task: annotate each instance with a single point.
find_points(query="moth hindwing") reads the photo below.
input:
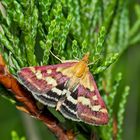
(69, 87)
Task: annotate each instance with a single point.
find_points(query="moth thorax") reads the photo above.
(80, 69)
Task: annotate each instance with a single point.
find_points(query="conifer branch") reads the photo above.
(29, 104)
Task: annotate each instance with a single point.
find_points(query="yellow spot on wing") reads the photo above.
(32, 69)
(38, 74)
(51, 81)
(95, 107)
(86, 102)
(95, 97)
(103, 110)
(49, 71)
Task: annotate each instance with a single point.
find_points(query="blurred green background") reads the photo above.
(128, 64)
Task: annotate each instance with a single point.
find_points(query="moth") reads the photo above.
(69, 87)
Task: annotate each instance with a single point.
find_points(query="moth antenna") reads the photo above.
(91, 63)
(94, 62)
(56, 57)
(76, 58)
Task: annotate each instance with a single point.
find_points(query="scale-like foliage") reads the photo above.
(30, 29)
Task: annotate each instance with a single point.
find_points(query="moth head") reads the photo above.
(85, 58)
(81, 68)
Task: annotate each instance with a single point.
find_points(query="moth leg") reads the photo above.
(61, 100)
(59, 103)
(24, 109)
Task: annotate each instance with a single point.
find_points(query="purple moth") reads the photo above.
(69, 87)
